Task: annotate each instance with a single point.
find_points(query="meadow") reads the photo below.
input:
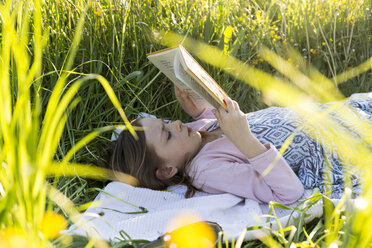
(72, 71)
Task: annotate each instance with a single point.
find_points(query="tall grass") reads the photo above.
(30, 132)
(47, 49)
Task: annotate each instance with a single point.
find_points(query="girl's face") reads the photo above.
(172, 142)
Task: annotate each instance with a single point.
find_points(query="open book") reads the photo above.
(183, 70)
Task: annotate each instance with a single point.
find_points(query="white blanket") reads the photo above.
(112, 214)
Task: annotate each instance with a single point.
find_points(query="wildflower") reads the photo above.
(272, 32)
(277, 37)
(13, 237)
(195, 235)
(52, 223)
(339, 44)
(250, 43)
(312, 51)
(323, 43)
(330, 39)
(284, 42)
(291, 40)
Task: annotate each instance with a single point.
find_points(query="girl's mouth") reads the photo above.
(189, 130)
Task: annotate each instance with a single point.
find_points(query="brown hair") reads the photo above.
(136, 158)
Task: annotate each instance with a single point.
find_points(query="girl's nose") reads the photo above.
(178, 125)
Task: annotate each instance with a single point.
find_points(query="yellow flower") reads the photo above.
(277, 37)
(52, 223)
(272, 32)
(312, 51)
(291, 40)
(14, 237)
(323, 43)
(339, 44)
(195, 235)
(330, 39)
(284, 42)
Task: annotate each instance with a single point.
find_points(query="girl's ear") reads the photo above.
(166, 172)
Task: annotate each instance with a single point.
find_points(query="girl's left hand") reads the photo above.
(233, 122)
(187, 103)
(235, 126)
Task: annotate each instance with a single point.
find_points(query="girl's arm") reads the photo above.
(266, 177)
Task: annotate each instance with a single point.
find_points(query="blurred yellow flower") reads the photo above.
(52, 223)
(272, 32)
(323, 43)
(339, 44)
(277, 37)
(14, 237)
(330, 39)
(195, 235)
(313, 51)
(284, 42)
(291, 40)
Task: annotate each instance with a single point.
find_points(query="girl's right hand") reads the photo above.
(235, 126)
(187, 103)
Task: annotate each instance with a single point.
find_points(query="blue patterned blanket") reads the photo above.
(315, 165)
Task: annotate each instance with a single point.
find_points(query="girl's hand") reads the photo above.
(235, 126)
(187, 103)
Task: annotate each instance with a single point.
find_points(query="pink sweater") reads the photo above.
(220, 167)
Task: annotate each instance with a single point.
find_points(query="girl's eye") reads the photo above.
(169, 135)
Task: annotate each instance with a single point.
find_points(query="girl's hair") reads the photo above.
(136, 158)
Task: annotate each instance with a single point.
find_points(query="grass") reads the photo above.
(63, 51)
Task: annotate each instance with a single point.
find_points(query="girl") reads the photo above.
(224, 152)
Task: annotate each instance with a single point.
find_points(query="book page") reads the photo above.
(166, 61)
(199, 74)
(183, 76)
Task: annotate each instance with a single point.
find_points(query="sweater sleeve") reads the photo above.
(206, 114)
(267, 177)
(203, 121)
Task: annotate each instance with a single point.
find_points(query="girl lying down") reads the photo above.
(227, 151)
